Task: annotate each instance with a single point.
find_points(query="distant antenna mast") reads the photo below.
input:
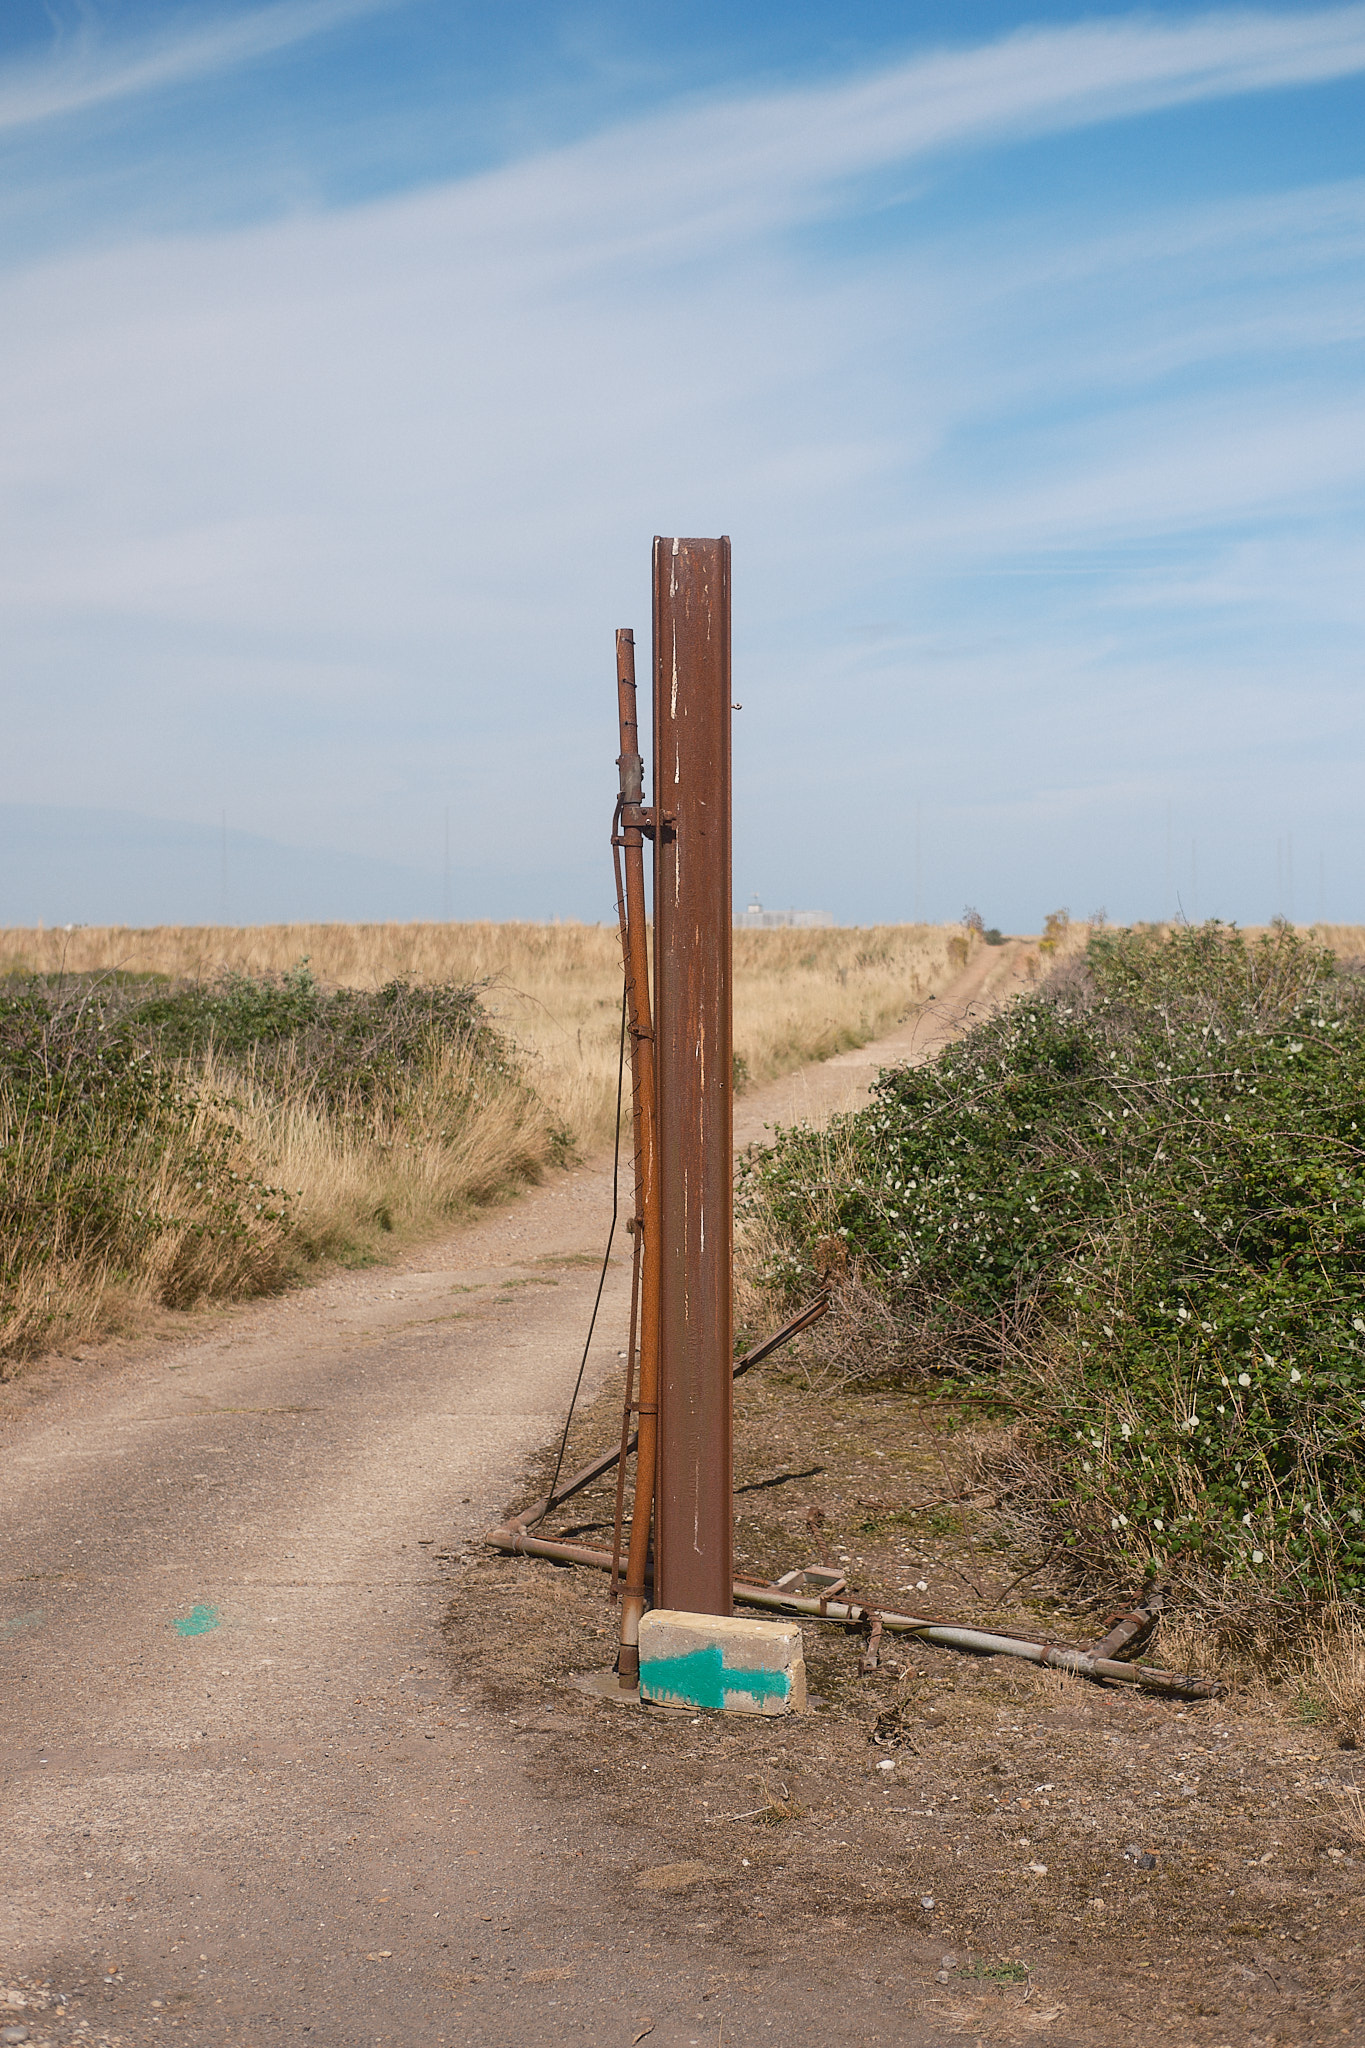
(1289, 872)
(919, 864)
(1169, 891)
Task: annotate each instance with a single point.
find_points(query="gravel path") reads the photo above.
(244, 1800)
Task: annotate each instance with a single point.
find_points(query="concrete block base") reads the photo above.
(722, 1661)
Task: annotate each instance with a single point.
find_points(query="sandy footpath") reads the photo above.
(243, 1798)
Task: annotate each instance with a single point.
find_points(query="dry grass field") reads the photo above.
(553, 989)
(107, 1221)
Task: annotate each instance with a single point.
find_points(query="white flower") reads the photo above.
(1125, 1429)
(1258, 1557)
(1158, 1523)
(1244, 1379)
(1294, 1374)
(1356, 1323)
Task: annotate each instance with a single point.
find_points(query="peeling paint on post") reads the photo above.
(694, 1065)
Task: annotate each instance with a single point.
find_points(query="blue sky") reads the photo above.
(352, 353)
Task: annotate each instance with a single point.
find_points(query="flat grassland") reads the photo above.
(230, 1169)
(554, 990)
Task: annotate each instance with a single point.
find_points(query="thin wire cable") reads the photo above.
(550, 1501)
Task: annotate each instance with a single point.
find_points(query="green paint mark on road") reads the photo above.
(703, 1679)
(197, 1622)
(13, 1626)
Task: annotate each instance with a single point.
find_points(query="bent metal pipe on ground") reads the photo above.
(948, 1635)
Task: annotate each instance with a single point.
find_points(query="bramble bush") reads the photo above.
(350, 1048)
(1132, 1207)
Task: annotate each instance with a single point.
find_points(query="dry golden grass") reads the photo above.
(162, 1241)
(311, 1185)
(464, 1135)
(465, 1138)
(1333, 1676)
(555, 990)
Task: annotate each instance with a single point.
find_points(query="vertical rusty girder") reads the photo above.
(694, 1064)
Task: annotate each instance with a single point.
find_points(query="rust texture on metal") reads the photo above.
(804, 1319)
(1126, 1633)
(692, 968)
(633, 822)
(627, 1412)
(948, 1634)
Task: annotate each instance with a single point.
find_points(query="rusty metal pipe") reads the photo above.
(510, 1536)
(948, 1635)
(634, 821)
(982, 1642)
(804, 1319)
(627, 1409)
(585, 1475)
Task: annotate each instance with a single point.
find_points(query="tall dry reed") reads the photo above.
(99, 1226)
(461, 1136)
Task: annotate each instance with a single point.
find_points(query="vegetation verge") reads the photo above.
(164, 1144)
(1129, 1210)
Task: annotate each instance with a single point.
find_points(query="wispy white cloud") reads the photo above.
(343, 507)
(89, 70)
(683, 179)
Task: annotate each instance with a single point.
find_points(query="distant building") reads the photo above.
(757, 919)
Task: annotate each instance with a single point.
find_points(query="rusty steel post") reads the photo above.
(634, 822)
(694, 1062)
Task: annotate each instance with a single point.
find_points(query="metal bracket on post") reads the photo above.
(695, 1072)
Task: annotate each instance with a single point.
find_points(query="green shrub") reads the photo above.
(351, 1048)
(1134, 1204)
(110, 1164)
(124, 1163)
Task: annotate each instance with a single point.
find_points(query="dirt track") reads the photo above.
(245, 1800)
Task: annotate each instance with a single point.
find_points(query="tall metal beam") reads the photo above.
(694, 1064)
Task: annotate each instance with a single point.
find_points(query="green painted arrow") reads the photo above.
(702, 1679)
